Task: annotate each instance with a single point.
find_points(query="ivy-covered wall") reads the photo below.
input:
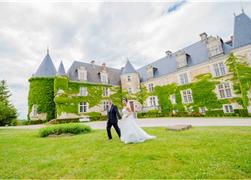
(202, 93)
(41, 93)
(68, 101)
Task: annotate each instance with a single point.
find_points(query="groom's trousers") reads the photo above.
(108, 129)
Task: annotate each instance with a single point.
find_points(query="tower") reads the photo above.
(41, 104)
(130, 81)
(242, 33)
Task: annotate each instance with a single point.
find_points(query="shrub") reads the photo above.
(153, 114)
(241, 112)
(60, 121)
(30, 122)
(71, 128)
(96, 116)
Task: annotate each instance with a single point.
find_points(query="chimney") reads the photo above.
(92, 63)
(203, 36)
(104, 67)
(168, 53)
(232, 38)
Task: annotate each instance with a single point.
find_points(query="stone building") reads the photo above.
(77, 85)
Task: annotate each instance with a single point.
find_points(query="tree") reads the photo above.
(241, 76)
(7, 110)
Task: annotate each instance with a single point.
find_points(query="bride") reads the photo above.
(130, 130)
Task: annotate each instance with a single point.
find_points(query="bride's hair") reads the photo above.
(124, 99)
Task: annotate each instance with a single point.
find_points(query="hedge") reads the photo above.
(71, 128)
(215, 113)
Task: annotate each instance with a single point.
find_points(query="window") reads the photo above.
(183, 78)
(172, 98)
(82, 73)
(104, 78)
(152, 101)
(105, 91)
(215, 50)
(150, 87)
(34, 110)
(129, 90)
(202, 110)
(83, 91)
(187, 96)
(82, 107)
(224, 90)
(219, 69)
(228, 108)
(105, 105)
(129, 78)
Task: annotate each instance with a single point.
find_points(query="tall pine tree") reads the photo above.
(7, 110)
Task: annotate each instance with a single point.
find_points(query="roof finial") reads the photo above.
(242, 9)
(47, 49)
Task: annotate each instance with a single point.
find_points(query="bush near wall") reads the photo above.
(215, 113)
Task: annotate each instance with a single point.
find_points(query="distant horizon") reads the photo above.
(104, 32)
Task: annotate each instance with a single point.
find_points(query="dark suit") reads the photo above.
(113, 116)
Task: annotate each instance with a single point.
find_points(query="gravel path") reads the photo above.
(164, 122)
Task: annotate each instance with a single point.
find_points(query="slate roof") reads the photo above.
(242, 30)
(197, 52)
(61, 70)
(93, 73)
(46, 68)
(128, 68)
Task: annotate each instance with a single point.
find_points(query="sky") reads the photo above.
(107, 32)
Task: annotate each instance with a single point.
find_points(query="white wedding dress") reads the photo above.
(130, 130)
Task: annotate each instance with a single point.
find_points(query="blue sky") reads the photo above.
(104, 32)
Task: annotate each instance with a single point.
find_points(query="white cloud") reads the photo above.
(107, 32)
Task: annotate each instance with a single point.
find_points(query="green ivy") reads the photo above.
(69, 100)
(202, 92)
(241, 77)
(41, 93)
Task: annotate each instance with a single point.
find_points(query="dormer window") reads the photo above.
(214, 46)
(181, 59)
(103, 77)
(82, 73)
(150, 70)
(215, 50)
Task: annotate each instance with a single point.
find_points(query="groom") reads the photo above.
(113, 116)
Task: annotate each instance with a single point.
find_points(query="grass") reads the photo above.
(202, 152)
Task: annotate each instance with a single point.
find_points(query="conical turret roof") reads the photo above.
(46, 68)
(128, 68)
(61, 70)
(242, 30)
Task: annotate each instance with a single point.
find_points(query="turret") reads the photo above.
(61, 69)
(242, 30)
(130, 78)
(46, 68)
(41, 104)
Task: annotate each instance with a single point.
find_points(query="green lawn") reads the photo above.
(202, 152)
